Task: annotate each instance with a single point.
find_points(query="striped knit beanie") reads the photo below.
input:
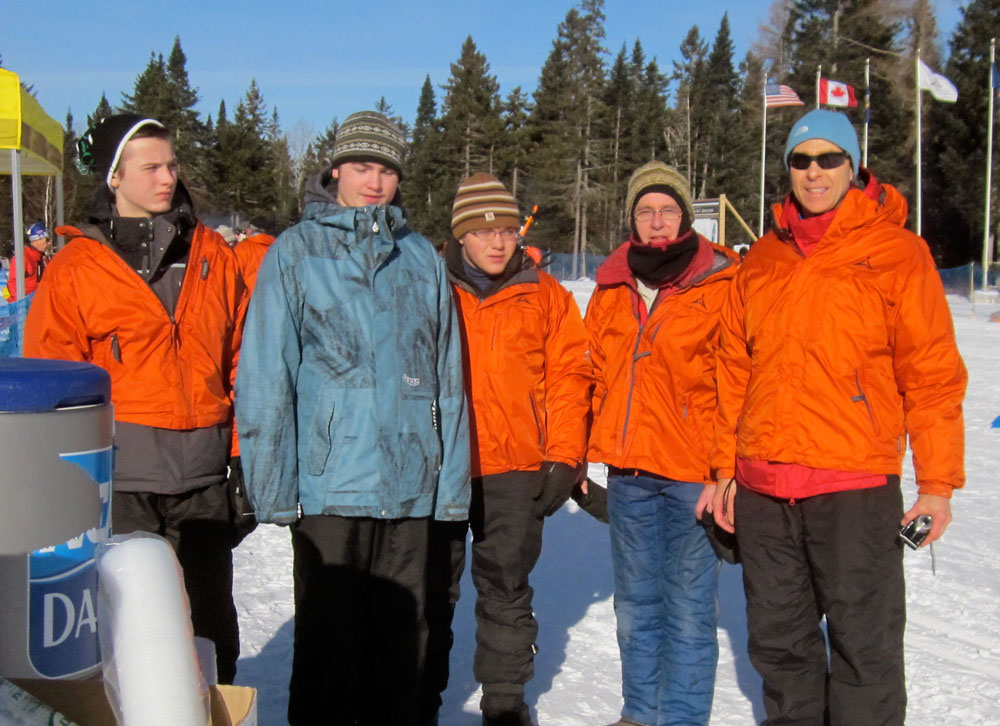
(482, 202)
(369, 136)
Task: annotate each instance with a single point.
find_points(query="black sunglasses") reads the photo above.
(829, 160)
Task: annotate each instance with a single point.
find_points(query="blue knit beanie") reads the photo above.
(830, 126)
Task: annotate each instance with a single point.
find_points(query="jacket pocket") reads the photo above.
(321, 439)
(862, 397)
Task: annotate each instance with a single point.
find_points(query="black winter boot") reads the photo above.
(519, 717)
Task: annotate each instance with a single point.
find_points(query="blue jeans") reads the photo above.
(666, 587)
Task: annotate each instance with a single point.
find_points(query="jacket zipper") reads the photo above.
(538, 425)
(436, 423)
(116, 348)
(862, 398)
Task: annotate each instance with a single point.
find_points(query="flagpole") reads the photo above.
(819, 73)
(989, 167)
(763, 159)
(868, 111)
(916, 84)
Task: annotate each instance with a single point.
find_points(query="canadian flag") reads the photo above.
(835, 93)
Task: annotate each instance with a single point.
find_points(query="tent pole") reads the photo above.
(18, 209)
(60, 210)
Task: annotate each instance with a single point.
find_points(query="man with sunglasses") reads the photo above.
(527, 379)
(837, 344)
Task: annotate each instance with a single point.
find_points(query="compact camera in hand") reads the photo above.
(916, 530)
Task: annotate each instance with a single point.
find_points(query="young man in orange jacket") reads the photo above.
(527, 380)
(654, 328)
(837, 344)
(151, 295)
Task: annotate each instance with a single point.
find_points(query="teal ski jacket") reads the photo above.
(349, 397)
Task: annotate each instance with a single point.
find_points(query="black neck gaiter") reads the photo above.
(656, 266)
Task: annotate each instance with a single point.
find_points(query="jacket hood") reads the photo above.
(520, 268)
(875, 204)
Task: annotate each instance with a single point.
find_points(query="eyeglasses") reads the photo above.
(829, 160)
(486, 235)
(670, 214)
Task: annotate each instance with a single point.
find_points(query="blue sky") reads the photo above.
(318, 60)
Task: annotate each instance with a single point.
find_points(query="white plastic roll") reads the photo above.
(151, 668)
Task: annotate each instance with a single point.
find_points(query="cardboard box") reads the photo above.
(86, 703)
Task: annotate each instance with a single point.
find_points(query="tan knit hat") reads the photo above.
(369, 135)
(657, 174)
(483, 202)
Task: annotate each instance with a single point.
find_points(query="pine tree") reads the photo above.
(720, 168)
(620, 101)
(567, 124)
(470, 113)
(163, 91)
(470, 132)
(514, 151)
(743, 144)
(246, 167)
(152, 94)
(425, 210)
(690, 124)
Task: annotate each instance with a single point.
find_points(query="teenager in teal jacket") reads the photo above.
(353, 428)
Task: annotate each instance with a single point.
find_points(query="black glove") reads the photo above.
(553, 486)
(594, 502)
(241, 514)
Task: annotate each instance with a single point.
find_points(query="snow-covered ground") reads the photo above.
(952, 636)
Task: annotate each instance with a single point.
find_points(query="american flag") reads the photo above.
(780, 95)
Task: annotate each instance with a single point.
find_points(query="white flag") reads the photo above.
(940, 87)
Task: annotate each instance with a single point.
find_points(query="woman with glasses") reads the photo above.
(528, 380)
(653, 324)
(837, 344)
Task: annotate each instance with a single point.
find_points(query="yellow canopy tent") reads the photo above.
(35, 143)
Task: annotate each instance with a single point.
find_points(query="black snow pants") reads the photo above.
(198, 526)
(834, 555)
(506, 544)
(445, 564)
(360, 631)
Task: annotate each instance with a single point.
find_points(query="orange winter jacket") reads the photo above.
(527, 373)
(168, 372)
(830, 360)
(654, 399)
(250, 253)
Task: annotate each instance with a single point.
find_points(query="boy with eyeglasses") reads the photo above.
(654, 326)
(528, 380)
(837, 344)
(353, 429)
